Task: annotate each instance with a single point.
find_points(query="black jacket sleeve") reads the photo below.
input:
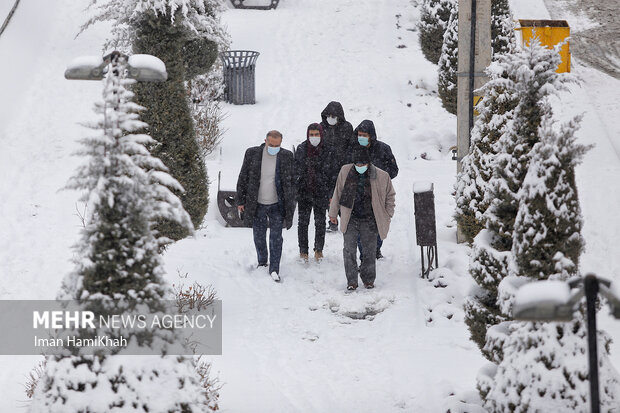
(390, 162)
(244, 175)
(300, 165)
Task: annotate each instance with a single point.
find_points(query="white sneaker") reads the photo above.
(275, 276)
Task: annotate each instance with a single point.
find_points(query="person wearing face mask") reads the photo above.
(381, 156)
(266, 197)
(313, 189)
(366, 199)
(338, 141)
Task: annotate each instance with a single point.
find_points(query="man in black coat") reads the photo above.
(313, 182)
(339, 141)
(266, 197)
(380, 155)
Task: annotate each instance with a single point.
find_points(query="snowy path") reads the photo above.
(298, 346)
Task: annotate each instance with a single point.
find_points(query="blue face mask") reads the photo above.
(273, 150)
(362, 140)
(361, 169)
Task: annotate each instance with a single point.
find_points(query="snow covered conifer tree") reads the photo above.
(486, 264)
(184, 34)
(503, 38)
(432, 26)
(448, 62)
(527, 78)
(547, 237)
(545, 368)
(535, 218)
(495, 110)
(127, 190)
(531, 74)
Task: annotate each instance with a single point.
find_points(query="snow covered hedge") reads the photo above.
(518, 181)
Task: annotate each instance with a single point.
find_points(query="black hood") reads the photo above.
(367, 127)
(333, 109)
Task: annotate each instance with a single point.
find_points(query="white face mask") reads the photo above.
(332, 120)
(315, 140)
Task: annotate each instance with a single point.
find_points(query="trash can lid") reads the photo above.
(422, 186)
(239, 58)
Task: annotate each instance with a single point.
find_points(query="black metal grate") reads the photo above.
(238, 4)
(239, 76)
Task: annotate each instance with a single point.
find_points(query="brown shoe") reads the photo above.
(318, 256)
(303, 256)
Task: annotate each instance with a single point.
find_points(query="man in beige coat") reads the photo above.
(366, 199)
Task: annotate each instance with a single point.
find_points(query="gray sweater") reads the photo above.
(267, 193)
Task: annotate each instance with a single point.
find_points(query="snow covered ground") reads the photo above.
(303, 345)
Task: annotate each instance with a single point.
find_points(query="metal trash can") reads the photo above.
(240, 4)
(239, 76)
(425, 231)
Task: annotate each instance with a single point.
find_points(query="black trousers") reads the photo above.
(304, 207)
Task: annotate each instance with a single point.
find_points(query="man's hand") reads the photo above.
(241, 208)
(333, 220)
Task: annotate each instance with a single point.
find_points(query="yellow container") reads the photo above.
(550, 32)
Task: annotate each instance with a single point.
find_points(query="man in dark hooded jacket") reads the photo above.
(339, 140)
(312, 177)
(380, 155)
(266, 197)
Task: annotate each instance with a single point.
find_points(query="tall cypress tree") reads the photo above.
(168, 115)
(525, 80)
(496, 111)
(184, 34)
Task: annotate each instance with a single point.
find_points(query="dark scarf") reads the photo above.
(349, 192)
(312, 164)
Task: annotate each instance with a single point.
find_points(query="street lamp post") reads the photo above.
(557, 301)
(141, 67)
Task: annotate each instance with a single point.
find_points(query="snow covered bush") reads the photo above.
(547, 238)
(94, 384)
(532, 79)
(514, 104)
(118, 266)
(544, 368)
(185, 35)
(127, 190)
(488, 267)
(503, 38)
(433, 23)
(448, 61)
(533, 232)
(495, 110)
(205, 93)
